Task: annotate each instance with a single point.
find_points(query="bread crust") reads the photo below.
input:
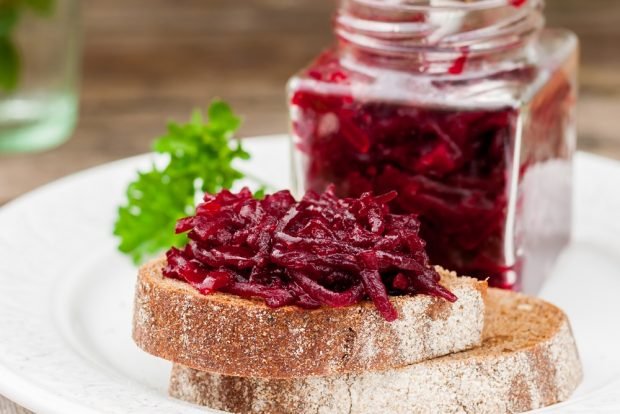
(528, 360)
(229, 335)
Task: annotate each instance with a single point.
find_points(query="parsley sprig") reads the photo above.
(200, 160)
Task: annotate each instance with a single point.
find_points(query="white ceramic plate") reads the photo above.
(66, 294)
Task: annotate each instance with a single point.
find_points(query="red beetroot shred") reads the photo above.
(320, 251)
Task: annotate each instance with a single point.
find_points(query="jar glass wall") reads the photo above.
(39, 59)
(465, 110)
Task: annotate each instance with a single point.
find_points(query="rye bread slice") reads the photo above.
(229, 335)
(528, 360)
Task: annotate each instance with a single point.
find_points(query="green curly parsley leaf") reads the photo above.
(200, 160)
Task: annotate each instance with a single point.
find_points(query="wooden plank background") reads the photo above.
(148, 61)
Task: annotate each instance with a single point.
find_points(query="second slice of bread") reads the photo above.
(229, 335)
(528, 360)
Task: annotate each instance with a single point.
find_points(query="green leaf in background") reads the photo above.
(200, 160)
(9, 14)
(9, 65)
(43, 7)
(10, 11)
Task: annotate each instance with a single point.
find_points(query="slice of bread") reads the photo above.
(528, 360)
(229, 335)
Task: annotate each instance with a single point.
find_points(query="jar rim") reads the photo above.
(433, 37)
(445, 5)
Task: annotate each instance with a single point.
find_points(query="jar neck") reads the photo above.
(439, 37)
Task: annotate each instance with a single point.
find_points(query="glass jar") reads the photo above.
(466, 109)
(39, 61)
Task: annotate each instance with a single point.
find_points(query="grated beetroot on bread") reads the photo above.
(320, 251)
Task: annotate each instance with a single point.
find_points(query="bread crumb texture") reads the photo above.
(228, 335)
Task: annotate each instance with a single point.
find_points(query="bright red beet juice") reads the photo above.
(466, 110)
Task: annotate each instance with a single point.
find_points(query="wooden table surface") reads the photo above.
(149, 61)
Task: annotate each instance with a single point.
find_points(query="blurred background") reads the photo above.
(149, 61)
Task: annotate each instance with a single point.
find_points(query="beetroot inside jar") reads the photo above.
(458, 166)
(449, 167)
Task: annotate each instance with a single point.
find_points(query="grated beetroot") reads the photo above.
(320, 251)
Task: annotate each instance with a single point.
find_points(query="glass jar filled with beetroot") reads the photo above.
(466, 109)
